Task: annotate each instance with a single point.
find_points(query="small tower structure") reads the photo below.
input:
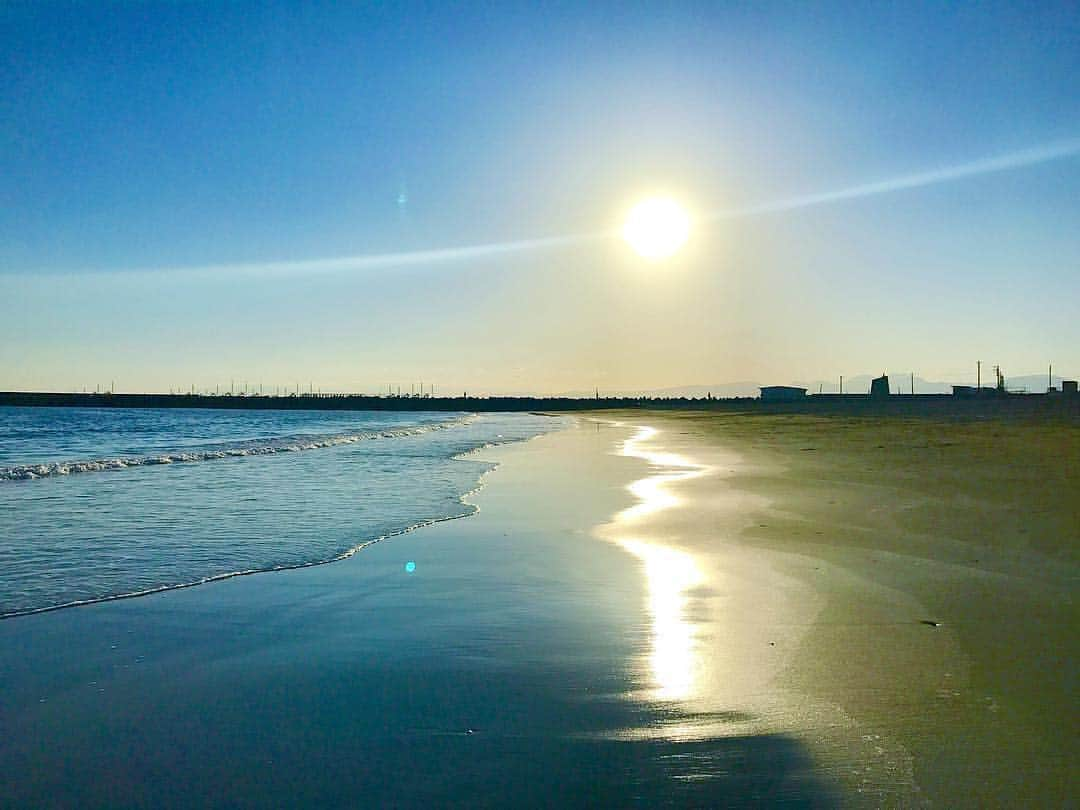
(879, 387)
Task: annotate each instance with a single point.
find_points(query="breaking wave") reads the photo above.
(257, 447)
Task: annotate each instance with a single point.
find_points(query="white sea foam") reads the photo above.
(282, 444)
(206, 580)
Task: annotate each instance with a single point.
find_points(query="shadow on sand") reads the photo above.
(253, 731)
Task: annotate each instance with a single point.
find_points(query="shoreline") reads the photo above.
(603, 629)
(344, 555)
(504, 666)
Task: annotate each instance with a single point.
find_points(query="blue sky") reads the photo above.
(140, 139)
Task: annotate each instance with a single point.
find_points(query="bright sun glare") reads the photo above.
(656, 228)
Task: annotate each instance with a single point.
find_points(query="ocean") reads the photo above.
(99, 504)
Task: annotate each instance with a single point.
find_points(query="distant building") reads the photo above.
(879, 387)
(1068, 386)
(782, 392)
(972, 391)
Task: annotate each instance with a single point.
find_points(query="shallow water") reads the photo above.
(503, 670)
(101, 503)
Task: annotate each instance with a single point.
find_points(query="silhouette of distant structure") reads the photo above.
(782, 392)
(999, 389)
(879, 386)
(972, 391)
(773, 399)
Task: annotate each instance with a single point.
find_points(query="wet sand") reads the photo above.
(510, 668)
(694, 610)
(942, 561)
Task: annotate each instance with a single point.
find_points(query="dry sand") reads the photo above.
(892, 524)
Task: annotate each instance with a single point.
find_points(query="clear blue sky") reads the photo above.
(141, 139)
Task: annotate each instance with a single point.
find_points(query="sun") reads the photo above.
(656, 228)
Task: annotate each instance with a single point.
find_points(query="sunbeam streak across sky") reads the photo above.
(1001, 163)
(449, 255)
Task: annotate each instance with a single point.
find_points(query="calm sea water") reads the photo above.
(99, 503)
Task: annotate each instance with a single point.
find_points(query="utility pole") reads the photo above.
(978, 376)
(841, 383)
(913, 383)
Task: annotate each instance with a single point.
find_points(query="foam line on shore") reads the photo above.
(247, 572)
(281, 444)
(467, 510)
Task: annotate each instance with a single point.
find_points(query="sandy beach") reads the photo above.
(932, 567)
(648, 609)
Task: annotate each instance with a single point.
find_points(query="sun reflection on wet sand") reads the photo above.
(670, 573)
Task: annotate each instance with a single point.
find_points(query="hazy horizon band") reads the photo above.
(1001, 163)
